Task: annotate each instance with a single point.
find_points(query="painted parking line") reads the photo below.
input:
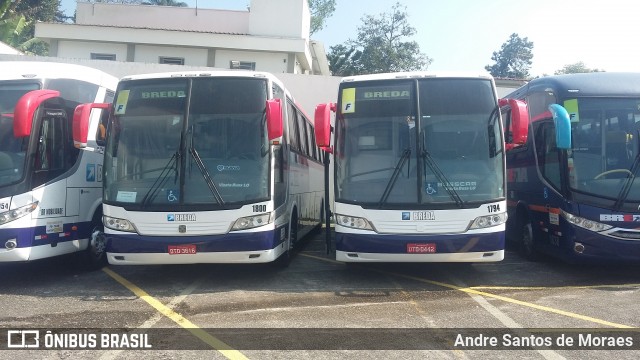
(577, 287)
(498, 297)
(212, 341)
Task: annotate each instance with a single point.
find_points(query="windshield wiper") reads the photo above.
(205, 174)
(624, 192)
(428, 159)
(162, 178)
(394, 176)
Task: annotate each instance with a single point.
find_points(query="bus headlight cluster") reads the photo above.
(118, 224)
(354, 222)
(489, 221)
(250, 222)
(9, 216)
(585, 223)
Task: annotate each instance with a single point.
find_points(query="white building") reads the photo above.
(272, 36)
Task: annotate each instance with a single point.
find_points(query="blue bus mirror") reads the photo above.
(563, 126)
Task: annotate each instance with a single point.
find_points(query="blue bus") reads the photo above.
(571, 170)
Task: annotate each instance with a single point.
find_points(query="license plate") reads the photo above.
(182, 249)
(428, 248)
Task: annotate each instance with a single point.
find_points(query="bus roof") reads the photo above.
(204, 73)
(17, 70)
(416, 74)
(586, 84)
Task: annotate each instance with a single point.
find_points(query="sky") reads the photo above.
(461, 35)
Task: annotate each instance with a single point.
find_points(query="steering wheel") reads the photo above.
(611, 172)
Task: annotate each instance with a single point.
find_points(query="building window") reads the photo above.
(99, 56)
(242, 65)
(171, 60)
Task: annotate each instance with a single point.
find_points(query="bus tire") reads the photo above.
(527, 246)
(94, 257)
(284, 259)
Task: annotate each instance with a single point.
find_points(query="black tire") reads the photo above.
(94, 257)
(284, 259)
(527, 246)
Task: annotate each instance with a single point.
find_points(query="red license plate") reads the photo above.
(182, 249)
(428, 248)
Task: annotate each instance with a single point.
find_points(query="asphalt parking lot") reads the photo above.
(375, 311)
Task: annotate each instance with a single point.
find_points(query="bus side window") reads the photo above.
(293, 134)
(302, 131)
(51, 151)
(538, 103)
(548, 154)
(101, 132)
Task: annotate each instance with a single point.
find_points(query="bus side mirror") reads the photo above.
(26, 108)
(322, 126)
(563, 126)
(519, 122)
(274, 119)
(81, 117)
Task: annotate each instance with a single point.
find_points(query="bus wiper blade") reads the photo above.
(394, 177)
(428, 159)
(162, 178)
(207, 177)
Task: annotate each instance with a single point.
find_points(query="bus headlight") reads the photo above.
(584, 223)
(354, 222)
(118, 224)
(250, 222)
(9, 216)
(488, 221)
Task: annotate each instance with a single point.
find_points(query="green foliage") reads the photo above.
(320, 10)
(165, 3)
(575, 68)
(381, 47)
(513, 60)
(17, 23)
(343, 60)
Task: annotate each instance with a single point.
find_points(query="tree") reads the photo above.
(320, 10)
(513, 60)
(381, 46)
(575, 68)
(343, 60)
(165, 3)
(17, 22)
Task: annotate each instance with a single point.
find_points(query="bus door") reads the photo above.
(51, 159)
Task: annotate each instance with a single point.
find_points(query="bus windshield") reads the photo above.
(12, 149)
(187, 141)
(605, 143)
(442, 147)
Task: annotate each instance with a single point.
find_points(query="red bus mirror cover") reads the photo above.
(26, 108)
(519, 122)
(322, 125)
(81, 117)
(274, 119)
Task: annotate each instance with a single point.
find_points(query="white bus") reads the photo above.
(50, 198)
(419, 168)
(208, 167)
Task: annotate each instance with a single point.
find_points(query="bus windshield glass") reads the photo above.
(182, 141)
(12, 149)
(419, 142)
(605, 142)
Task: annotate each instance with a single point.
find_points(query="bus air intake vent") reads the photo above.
(626, 235)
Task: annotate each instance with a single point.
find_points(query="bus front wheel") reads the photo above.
(94, 257)
(284, 260)
(527, 243)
